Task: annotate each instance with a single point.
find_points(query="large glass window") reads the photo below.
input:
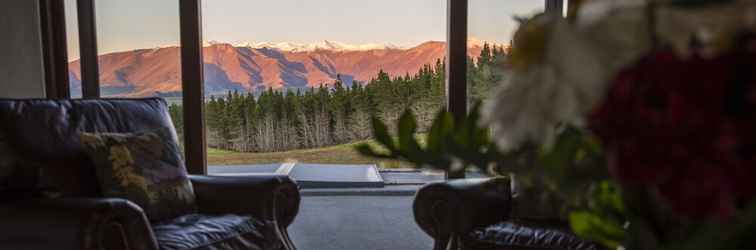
(138, 48)
(491, 27)
(299, 80)
(291, 86)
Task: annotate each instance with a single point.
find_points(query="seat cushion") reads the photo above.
(508, 234)
(208, 232)
(144, 167)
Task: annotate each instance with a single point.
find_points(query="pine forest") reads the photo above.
(283, 120)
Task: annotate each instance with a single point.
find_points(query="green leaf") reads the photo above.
(406, 132)
(592, 144)
(608, 197)
(593, 227)
(479, 136)
(461, 134)
(380, 132)
(442, 126)
(560, 159)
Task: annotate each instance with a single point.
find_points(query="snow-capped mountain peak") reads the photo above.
(309, 47)
(332, 45)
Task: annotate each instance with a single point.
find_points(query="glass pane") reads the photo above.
(72, 32)
(491, 28)
(300, 80)
(138, 47)
(290, 88)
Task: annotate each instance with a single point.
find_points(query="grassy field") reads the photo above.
(340, 154)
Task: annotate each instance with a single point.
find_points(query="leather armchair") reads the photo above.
(102, 223)
(475, 214)
(239, 212)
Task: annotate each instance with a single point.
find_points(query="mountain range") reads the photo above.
(249, 67)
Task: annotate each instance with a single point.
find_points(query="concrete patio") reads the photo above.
(357, 223)
(357, 218)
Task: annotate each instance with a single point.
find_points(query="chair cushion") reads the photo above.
(144, 167)
(509, 234)
(225, 232)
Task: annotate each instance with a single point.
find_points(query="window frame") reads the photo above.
(90, 68)
(56, 60)
(54, 48)
(190, 14)
(192, 82)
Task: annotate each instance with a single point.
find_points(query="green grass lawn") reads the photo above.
(340, 154)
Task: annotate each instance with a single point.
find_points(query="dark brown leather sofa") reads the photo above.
(474, 214)
(234, 212)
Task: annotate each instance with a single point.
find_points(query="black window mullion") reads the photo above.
(90, 72)
(54, 48)
(456, 62)
(190, 12)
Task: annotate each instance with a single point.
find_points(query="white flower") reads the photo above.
(518, 114)
(579, 61)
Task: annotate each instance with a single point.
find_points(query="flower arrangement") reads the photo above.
(669, 89)
(640, 113)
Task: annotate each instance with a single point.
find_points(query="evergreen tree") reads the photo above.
(177, 116)
(327, 115)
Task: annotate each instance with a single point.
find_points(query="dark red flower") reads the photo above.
(685, 127)
(700, 190)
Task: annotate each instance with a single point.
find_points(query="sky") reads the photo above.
(124, 25)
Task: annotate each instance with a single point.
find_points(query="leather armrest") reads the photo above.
(80, 223)
(270, 197)
(458, 206)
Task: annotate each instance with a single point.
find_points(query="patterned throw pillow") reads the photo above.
(145, 168)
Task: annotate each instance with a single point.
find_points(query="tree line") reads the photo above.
(282, 120)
